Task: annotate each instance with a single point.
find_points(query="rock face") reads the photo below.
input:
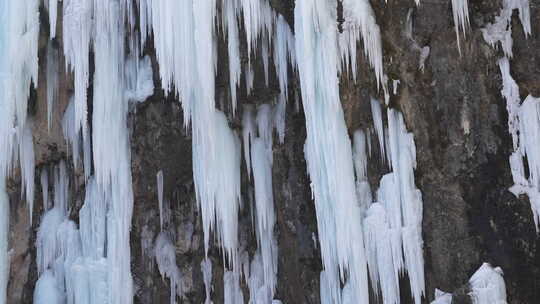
(453, 107)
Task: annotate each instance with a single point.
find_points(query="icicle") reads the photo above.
(52, 7)
(27, 160)
(71, 135)
(487, 285)
(206, 269)
(52, 80)
(264, 199)
(510, 92)
(328, 151)
(460, 10)
(378, 124)
(360, 20)
(283, 53)
(230, 19)
(110, 139)
(159, 177)
(77, 29)
(4, 236)
(248, 133)
(44, 178)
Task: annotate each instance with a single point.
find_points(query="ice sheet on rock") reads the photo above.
(231, 288)
(500, 31)
(52, 79)
(529, 137)
(165, 253)
(138, 75)
(46, 290)
(442, 297)
(487, 285)
(510, 92)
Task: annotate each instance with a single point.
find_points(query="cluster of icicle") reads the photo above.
(19, 31)
(393, 224)
(486, 286)
(75, 265)
(523, 116)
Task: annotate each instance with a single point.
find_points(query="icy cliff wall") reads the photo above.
(264, 221)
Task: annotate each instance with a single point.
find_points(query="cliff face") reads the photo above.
(453, 106)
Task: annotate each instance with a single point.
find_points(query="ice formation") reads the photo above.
(393, 224)
(159, 178)
(460, 10)
(52, 79)
(442, 297)
(165, 254)
(487, 285)
(206, 269)
(327, 149)
(4, 234)
(523, 117)
(500, 31)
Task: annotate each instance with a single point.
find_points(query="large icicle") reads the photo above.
(77, 31)
(110, 138)
(328, 150)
